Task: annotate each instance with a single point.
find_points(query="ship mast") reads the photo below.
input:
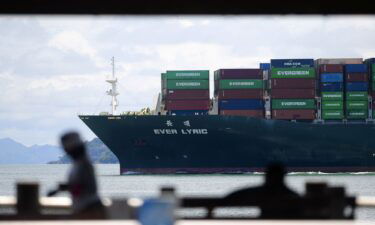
(113, 91)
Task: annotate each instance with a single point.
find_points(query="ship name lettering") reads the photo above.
(183, 131)
(194, 131)
(165, 131)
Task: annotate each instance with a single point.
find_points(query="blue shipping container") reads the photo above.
(188, 112)
(282, 63)
(356, 68)
(356, 86)
(331, 77)
(238, 104)
(265, 66)
(331, 87)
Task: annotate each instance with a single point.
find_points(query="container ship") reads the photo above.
(311, 115)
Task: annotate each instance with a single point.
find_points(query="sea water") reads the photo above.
(111, 184)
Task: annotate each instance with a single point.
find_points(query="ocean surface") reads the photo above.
(111, 184)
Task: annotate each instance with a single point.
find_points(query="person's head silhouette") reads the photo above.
(73, 145)
(275, 173)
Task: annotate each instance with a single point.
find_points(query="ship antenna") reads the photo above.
(113, 91)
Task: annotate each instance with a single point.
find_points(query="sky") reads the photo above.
(54, 68)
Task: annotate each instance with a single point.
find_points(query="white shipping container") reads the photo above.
(340, 61)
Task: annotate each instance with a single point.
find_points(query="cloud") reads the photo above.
(182, 22)
(186, 23)
(73, 41)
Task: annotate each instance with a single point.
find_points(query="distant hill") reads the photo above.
(96, 150)
(13, 152)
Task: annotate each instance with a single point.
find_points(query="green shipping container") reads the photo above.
(333, 96)
(332, 114)
(356, 114)
(187, 84)
(241, 84)
(357, 96)
(339, 105)
(356, 105)
(293, 103)
(292, 73)
(373, 85)
(188, 74)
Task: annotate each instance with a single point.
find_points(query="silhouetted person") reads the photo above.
(81, 181)
(269, 194)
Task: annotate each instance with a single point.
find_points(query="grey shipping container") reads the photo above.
(340, 61)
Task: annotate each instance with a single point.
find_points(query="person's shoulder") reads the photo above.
(245, 192)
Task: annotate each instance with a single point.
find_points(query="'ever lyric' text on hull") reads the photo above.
(181, 131)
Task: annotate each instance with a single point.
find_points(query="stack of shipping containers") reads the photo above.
(344, 85)
(331, 77)
(293, 89)
(356, 85)
(186, 92)
(332, 91)
(240, 92)
(371, 73)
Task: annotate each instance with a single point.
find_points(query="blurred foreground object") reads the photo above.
(28, 200)
(274, 199)
(81, 181)
(273, 188)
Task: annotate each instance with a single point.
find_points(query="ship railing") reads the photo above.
(282, 208)
(60, 207)
(275, 201)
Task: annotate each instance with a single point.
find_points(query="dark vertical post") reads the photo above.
(28, 199)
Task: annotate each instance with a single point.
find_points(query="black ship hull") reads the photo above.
(233, 144)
